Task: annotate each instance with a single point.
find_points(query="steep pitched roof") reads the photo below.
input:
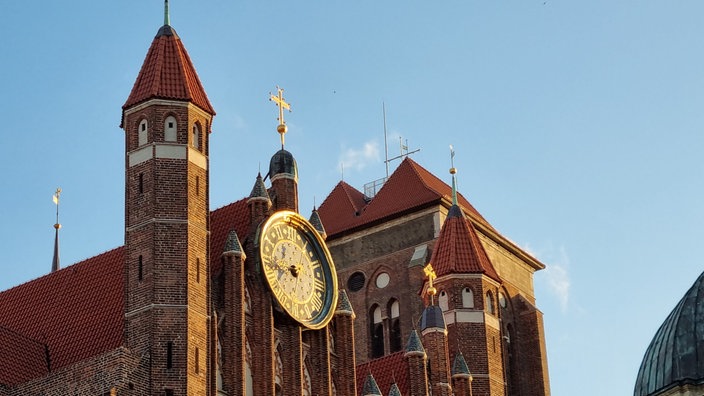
(168, 73)
(410, 187)
(386, 370)
(234, 216)
(459, 250)
(74, 313)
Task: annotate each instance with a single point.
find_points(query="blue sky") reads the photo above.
(577, 128)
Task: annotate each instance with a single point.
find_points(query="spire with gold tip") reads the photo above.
(55, 265)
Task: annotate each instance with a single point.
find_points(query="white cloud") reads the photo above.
(358, 158)
(556, 274)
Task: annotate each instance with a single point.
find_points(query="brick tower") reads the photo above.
(167, 120)
(468, 286)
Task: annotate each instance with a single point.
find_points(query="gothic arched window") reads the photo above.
(489, 303)
(170, 129)
(195, 138)
(442, 301)
(467, 298)
(142, 132)
(376, 331)
(395, 343)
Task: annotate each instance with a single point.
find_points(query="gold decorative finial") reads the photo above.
(453, 171)
(430, 273)
(282, 104)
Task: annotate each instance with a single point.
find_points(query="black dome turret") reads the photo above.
(676, 354)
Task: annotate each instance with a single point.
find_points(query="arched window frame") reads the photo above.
(143, 132)
(489, 303)
(467, 297)
(395, 339)
(376, 332)
(443, 300)
(170, 129)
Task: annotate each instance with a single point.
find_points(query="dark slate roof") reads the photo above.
(232, 244)
(168, 73)
(370, 387)
(432, 317)
(394, 391)
(410, 187)
(414, 344)
(73, 314)
(460, 365)
(317, 223)
(676, 353)
(259, 189)
(283, 163)
(459, 250)
(343, 304)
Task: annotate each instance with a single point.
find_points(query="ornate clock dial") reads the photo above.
(298, 269)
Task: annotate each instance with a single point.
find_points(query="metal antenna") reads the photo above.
(386, 142)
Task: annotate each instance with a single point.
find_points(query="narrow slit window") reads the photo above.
(197, 270)
(169, 355)
(141, 183)
(140, 269)
(197, 366)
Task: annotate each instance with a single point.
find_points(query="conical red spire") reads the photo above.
(168, 73)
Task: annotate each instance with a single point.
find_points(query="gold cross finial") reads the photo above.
(430, 273)
(281, 104)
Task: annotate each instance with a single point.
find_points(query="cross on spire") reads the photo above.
(430, 273)
(281, 104)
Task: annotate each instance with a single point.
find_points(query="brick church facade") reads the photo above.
(428, 297)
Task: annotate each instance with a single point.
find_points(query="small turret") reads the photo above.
(370, 387)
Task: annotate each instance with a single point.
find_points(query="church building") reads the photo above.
(406, 291)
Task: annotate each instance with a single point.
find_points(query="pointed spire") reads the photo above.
(167, 21)
(344, 307)
(459, 367)
(55, 265)
(414, 345)
(233, 246)
(259, 191)
(394, 391)
(317, 223)
(453, 171)
(370, 387)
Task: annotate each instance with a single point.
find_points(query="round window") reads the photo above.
(356, 281)
(382, 280)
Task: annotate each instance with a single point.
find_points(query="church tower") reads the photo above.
(167, 119)
(468, 285)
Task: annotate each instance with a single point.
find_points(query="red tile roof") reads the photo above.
(386, 370)
(234, 216)
(459, 250)
(168, 73)
(410, 187)
(76, 313)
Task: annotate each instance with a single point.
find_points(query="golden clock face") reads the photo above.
(298, 269)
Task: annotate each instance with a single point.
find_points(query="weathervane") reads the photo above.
(453, 171)
(281, 104)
